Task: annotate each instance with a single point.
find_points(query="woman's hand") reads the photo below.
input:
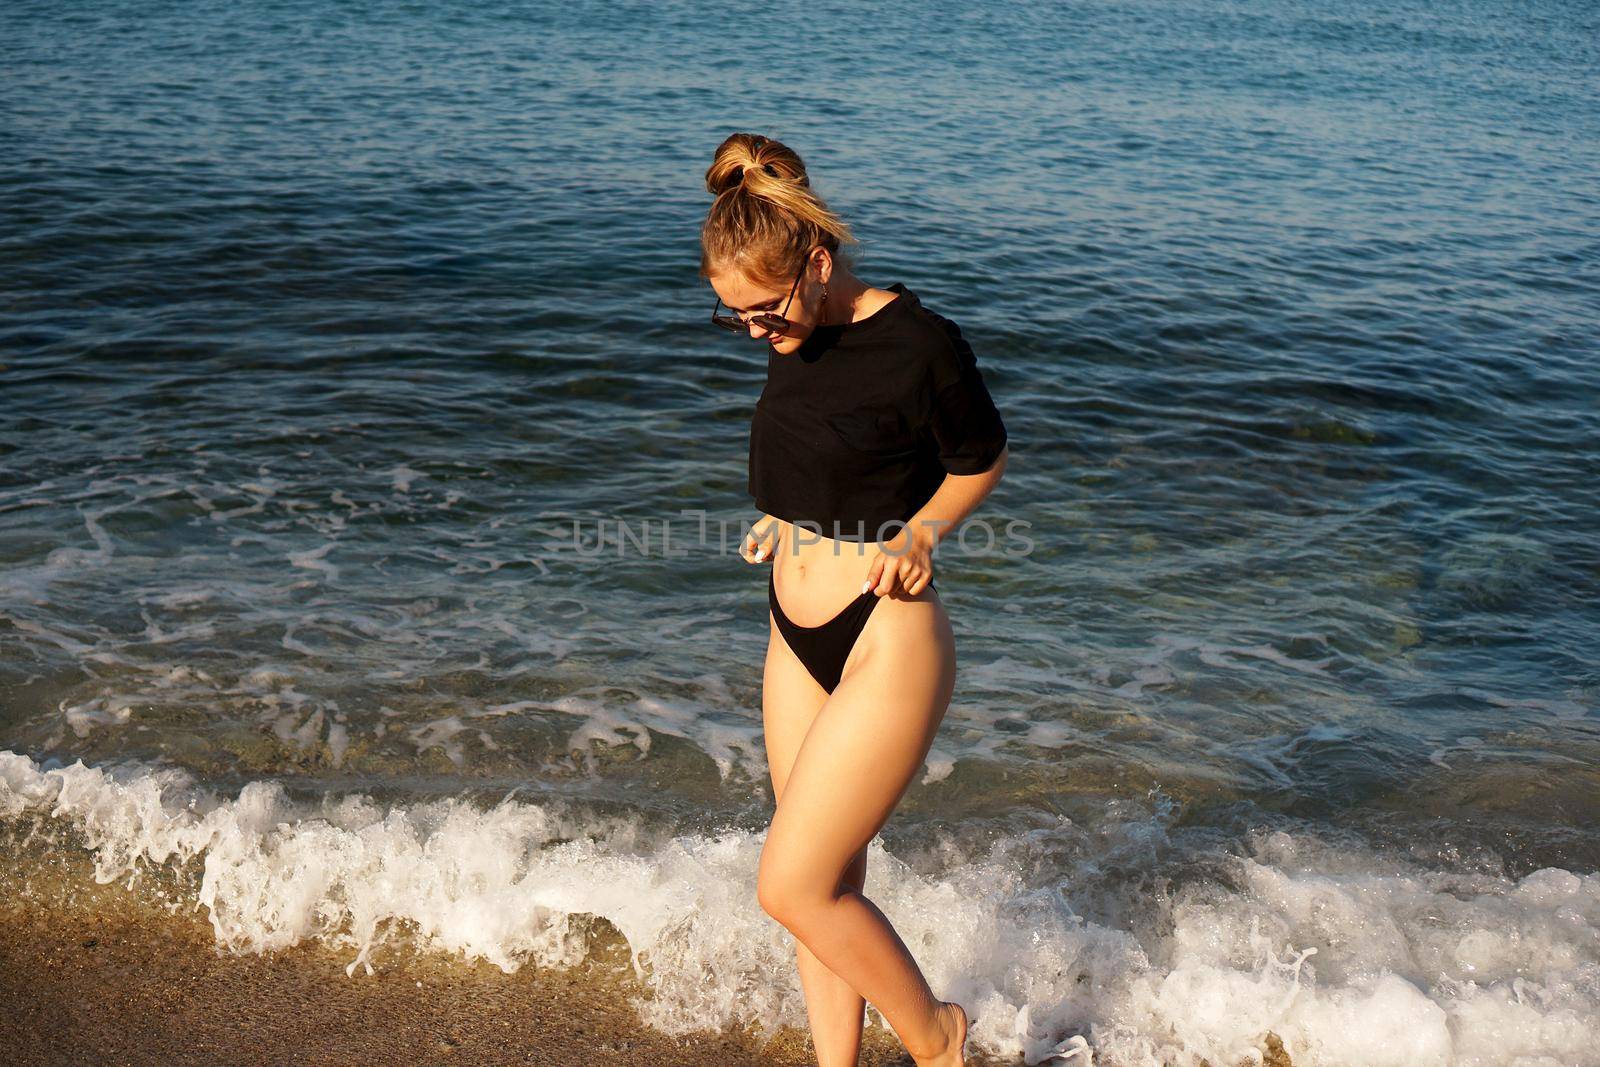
(761, 543)
(906, 558)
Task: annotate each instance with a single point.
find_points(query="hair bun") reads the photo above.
(766, 218)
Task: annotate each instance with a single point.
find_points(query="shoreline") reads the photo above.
(94, 973)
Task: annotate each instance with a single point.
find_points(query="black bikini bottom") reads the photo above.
(823, 649)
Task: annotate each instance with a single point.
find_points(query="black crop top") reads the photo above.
(857, 428)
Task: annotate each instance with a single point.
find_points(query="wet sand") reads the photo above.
(101, 974)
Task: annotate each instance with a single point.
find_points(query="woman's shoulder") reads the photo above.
(876, 300)
(934, 340)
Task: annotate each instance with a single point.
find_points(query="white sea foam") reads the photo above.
(1348, 957)
(314, 559)
(727, 744)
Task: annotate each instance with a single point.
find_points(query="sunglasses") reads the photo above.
(771, 321)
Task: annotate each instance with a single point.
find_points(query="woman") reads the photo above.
(873, 438)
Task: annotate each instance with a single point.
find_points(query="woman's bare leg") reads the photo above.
(835, 1010)
(864, 746)
(790, 700)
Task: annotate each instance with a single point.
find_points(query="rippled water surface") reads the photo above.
(338, 340)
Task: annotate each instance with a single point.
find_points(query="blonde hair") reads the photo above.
(765, 218)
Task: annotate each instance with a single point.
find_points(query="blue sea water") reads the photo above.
(354, 364)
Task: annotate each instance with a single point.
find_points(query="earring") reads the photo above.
(822, 312)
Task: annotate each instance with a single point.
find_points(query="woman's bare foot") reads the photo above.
(953, 1021)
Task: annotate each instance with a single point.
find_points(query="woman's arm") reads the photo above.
(907, 558)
